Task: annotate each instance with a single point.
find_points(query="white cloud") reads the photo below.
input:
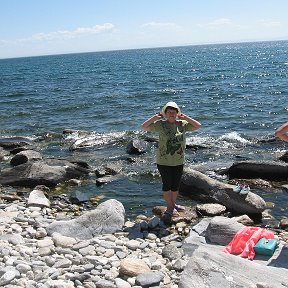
(63, 34)
(66, 34)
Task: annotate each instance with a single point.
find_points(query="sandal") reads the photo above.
(175, 212)
(169, 213)
(179, 208)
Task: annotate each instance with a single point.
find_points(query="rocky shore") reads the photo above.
(53, 243)
(49, 240)
(141, 253)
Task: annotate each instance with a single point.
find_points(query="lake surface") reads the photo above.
(237, 91)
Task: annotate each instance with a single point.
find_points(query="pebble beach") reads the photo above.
(31, 258)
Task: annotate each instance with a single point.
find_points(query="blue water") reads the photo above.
(237, 91)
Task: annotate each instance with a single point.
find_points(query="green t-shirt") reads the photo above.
(172, 141)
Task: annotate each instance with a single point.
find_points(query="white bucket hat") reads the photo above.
(173, 105)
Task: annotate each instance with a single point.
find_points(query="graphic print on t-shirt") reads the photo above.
(175, 137)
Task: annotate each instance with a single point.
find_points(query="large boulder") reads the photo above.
(11, 143)
(267, 170)
(199, 186)
(210, 267)
(48, 172)
(108, 217)
(221, 230)
(25, 156)
(217, 230)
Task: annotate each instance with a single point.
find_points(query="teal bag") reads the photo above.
(265, 246)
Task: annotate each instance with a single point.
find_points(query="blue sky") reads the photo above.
(45, 27)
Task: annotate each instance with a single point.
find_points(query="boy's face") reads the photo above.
(171, 113)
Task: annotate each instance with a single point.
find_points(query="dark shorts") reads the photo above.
(171, 177)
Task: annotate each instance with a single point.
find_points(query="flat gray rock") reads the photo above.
(48, 172)
(209, 268)
(108, 217)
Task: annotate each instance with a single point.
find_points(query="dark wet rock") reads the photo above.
(17, 150)
(48, 172)
(285, 186)
(284, 223)
(107, 170)
(77, 197)
(284, 157)
(107, 217)
(136, 146)
(100, 172)
(113, 169)
(197, 146)
(82, 164)
(242, 158)
(108, 179)
(131, 160)
(267, 170)
(14, 142)
(151, 139)
(199, 186)
(75, 132)
(25, 156)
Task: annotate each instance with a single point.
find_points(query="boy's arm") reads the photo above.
(282, 131)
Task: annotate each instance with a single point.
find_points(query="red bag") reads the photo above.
(245, 239)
